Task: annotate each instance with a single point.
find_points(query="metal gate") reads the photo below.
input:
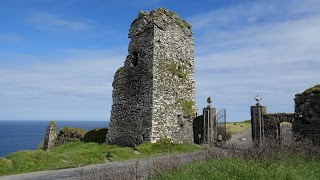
(220, 128)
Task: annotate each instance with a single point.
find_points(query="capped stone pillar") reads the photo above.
(256, 120)
(209, 120)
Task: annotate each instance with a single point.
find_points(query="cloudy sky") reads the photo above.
(58, 58)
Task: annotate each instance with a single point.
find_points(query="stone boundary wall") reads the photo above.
(271, 124)
(307, 115)
(305, 119)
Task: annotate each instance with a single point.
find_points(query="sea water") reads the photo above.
(27, 135)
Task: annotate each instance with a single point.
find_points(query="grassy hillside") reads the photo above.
(79, 154)
(238, 127)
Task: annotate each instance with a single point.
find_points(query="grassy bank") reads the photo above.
(81, 154)
(294, 167)
(301, 160)
(269, 161)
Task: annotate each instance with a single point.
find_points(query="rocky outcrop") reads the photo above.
(154, 92)
(96, 135)
(68, 134)
(50, 136)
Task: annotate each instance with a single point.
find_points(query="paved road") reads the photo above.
(241, 140)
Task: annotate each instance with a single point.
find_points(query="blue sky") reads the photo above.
(58, 58)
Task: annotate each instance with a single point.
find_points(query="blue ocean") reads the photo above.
(27, 135)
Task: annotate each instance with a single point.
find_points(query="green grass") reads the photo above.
(293, 167)
(80, 154)
(237, 127)
(150, 149)
(314, 89)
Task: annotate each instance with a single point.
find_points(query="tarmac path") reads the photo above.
(241, 140)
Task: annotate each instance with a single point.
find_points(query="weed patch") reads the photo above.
(75, 154)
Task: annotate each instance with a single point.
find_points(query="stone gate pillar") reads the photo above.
(256, 122)
(209, 120)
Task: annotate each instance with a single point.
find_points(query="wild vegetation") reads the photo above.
(301, 160)
(74, 154)
(271, 161)
(314, 89)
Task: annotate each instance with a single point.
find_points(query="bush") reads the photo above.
(247, 121)
(68, 134)
(229, 135)
(314, 89)
(96, 135)
(164, 140)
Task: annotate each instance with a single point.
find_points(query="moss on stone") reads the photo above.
(314, 89)
(279, 114)
(186, 106)
(72, 134)
(175, 69)
(120, 69)
(177, 20)
(52, 123)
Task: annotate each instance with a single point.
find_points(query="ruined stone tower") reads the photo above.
(154, 92)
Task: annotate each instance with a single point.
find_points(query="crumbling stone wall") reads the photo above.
(50, 136)
(66, 134)
(267, 126)
(307, 114)
(271, 124)
(154, 93)
(305, 120)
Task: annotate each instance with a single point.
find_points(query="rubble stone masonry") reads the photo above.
(154, 92)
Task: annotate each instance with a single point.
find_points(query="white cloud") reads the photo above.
(266, 47)
(270, 48)
(79, 85)
(49, 21)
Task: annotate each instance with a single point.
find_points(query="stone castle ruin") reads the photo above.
(154, 92)
(304, 123)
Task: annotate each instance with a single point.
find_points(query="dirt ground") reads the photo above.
(241, 140)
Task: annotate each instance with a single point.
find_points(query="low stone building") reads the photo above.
(154, 92)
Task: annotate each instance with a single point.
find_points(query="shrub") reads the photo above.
(164, 140)
(229, 135)
(314, 89)
(68, 134)
(96, 135)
